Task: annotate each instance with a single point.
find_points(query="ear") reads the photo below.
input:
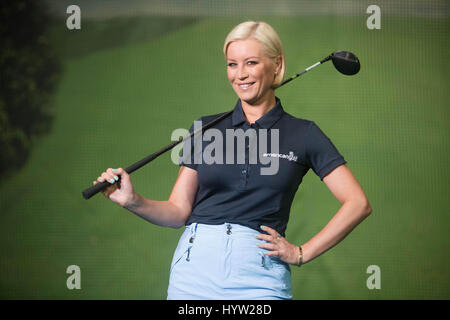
(278, 64)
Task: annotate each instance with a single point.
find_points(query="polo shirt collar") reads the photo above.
(265, 122)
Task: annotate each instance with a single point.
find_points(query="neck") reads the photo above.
(254, 111)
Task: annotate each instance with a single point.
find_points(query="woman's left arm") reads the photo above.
(355, 208)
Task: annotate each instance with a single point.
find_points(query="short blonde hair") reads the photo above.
(267, 36)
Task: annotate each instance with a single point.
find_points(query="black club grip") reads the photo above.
(89, 192)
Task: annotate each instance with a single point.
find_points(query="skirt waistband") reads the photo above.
(225, 228)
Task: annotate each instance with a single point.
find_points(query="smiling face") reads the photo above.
(250, 72)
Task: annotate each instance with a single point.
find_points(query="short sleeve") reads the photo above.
(188, 157)
(321, 155)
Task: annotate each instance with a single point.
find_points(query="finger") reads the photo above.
(108, 177)
(270, 231)
(268, 246)
(272, 253)
(112, 174)
(264, 237)
(119, 171)
(280, 239)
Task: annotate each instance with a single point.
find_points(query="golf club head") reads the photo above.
(345, 62)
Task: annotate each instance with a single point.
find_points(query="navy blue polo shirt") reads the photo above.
(237, 191)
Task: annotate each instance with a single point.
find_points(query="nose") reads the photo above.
(242, 72)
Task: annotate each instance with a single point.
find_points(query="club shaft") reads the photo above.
(306, 70)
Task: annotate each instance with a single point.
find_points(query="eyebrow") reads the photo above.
(252, 57)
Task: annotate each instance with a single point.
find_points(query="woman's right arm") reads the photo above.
(171, 213)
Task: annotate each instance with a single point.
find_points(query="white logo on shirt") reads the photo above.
(289, 156)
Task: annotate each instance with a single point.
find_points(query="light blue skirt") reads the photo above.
(222, 262)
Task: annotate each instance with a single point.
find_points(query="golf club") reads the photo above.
(345, 62)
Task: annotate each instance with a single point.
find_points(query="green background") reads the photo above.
(128, 82)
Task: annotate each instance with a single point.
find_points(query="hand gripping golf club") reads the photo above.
(345, 62)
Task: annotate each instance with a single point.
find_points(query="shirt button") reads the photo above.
(244, 171)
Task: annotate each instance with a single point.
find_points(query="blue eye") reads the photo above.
(231, 64)
(252, 62)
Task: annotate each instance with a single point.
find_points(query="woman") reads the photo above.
(233, 246)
